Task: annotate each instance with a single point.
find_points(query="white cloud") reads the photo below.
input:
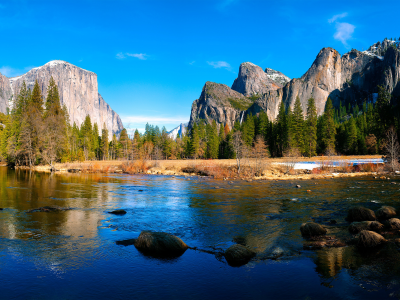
(336, 17)
(141, 56)
(344, 32)
(120, 55)
(152, 119)
(219, 64)
(192, 63)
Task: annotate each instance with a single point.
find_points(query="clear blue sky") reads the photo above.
(152, 58)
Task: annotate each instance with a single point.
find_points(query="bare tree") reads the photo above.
(392, 149)
(291, 155)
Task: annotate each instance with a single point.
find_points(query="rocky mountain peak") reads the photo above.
(78, 90)
(325, 72)
(277, 76)
(252, 80)
(379, 49)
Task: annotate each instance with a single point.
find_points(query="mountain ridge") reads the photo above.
(78, 89)
(353, 77)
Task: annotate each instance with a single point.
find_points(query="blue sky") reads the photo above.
(152, 58)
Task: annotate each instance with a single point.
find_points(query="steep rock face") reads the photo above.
(325, 71)
(5, 93)
(252, 80)
(220, 103)
(351, 78)
(278, 77)
(78, 90)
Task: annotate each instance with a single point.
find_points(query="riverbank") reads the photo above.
(251, 169)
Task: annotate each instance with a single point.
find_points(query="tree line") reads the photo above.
(38, 131)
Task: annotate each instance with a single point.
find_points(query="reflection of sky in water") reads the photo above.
(72, 254)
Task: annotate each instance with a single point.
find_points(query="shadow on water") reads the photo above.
(84, 246)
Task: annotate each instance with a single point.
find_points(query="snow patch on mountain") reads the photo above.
(181, 130)
(277, 76)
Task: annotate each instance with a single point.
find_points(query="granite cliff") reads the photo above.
(351, 78)
(78, 90)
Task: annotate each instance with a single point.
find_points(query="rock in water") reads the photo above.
(369, 239)
(237, 255)
(119, 212)
(52, 208)
(359, 213)
(357, 227)
(393, 224)
(311, 229)
(385, 213)
(160, 244)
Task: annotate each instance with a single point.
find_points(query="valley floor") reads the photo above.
(251, 169)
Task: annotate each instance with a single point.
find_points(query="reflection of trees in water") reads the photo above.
(375, 266)
(53, 238)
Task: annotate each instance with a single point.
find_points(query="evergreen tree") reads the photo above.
(297, 126)
(310, 133)
(328, 128)
(104, 142)
(37, 98)
(281, 130)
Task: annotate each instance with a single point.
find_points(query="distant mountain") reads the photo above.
(78, 90)
(181, 129)
(351, 78)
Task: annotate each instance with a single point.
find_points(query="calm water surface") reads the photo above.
(74, 255)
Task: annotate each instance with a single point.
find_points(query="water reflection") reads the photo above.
(207, 214)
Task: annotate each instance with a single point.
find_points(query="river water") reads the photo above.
(74, 255)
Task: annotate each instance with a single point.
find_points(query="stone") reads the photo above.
(78, 90)
(160, 244)
(119, 212)
(237, 255)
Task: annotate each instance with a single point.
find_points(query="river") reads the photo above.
(74, 255)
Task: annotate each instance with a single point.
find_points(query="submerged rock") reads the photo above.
(357, 227)
(237, 255)
(128, 242)
(160, 244)
(52, 208)
(359, 213)
(311, 229)
(386, 212)
(369, 239)
(118, 212)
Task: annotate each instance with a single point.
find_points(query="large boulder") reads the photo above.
(312, 229)
(160, 244)
(369, 239)
(385, 213)
(359, 214)
(237, 255)
(357, 227)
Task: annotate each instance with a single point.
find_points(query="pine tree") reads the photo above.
(328, 128)
(281, 130)
(104, 142)
(297, 126)
(194, 141)
(310, 135)
(123, 140)
(37, 98)
(352, 139)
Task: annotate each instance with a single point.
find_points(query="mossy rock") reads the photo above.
(160, 244)
(359, 214)
(357, 227)
(311, 229)
(369, 239)
(393, 224)
(237, 255)
(385, 213)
